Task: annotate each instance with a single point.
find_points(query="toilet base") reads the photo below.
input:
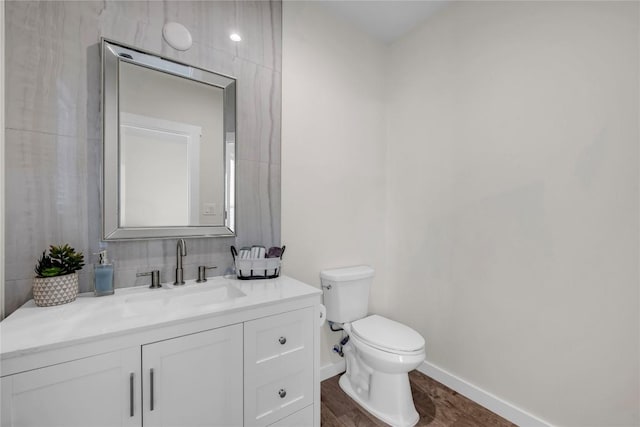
(410, 417)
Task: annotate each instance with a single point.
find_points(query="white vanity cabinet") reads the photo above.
(95, 391)
(278, 366)
(195, 380)
(253, 362)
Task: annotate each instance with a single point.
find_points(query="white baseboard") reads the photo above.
(493, 403)
(332, 369)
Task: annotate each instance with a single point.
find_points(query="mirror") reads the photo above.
(168, 146)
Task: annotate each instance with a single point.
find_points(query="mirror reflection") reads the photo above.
(171, 130)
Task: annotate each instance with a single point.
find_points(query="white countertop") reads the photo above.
(32, 328)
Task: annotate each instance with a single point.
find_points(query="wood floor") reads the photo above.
(438, 406)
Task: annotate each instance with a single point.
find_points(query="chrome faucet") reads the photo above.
(181, 251)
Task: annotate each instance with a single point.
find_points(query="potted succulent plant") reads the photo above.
(56, 280)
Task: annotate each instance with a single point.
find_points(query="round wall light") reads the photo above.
(177, 36)
(235, 37)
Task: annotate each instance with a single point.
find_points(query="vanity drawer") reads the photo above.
(278, 336)
(302, 418)
(278, 366)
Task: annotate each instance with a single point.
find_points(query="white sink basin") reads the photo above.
(170, 298)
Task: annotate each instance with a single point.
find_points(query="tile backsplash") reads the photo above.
(53, 128)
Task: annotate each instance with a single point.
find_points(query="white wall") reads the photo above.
(513, 202)
(510, 168)
(333, 197)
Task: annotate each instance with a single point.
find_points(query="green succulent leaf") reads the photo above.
(60, 261)
(51, 272)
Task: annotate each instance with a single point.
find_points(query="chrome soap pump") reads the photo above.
(103, 275)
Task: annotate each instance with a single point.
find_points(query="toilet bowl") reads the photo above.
(380, 352)
(377, 368)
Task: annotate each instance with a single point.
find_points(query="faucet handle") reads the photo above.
(202, 273)
(155, 278)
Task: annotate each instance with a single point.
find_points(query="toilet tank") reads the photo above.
(346, 292)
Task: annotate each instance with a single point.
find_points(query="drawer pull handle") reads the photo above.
(282, 340)
(151, 386)
(131, 394)
(282, 393)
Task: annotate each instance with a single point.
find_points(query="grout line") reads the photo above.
(53, 134)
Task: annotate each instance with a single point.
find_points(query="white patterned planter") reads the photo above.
(48, 291)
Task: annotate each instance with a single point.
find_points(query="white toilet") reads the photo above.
(380, 352)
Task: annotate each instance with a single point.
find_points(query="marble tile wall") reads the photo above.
(53, 127)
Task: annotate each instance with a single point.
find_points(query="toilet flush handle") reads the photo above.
(323, 314)
(326, 287)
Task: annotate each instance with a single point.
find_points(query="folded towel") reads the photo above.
(257, 252)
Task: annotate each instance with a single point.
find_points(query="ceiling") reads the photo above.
(385, 20)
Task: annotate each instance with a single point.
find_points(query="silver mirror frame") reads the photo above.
(111, 230)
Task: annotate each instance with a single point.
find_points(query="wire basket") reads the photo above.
(256, 268)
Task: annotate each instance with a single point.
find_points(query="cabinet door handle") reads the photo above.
(151, 386)
(131, 394)
(282, 393)
(282, 340)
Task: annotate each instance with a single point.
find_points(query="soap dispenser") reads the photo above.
(103, 275)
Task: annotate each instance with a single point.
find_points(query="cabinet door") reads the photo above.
(278, 366)
(195, 380)
(97, 391)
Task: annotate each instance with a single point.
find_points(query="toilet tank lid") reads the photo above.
(347, 273)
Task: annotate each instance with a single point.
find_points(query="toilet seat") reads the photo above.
(387, 335)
